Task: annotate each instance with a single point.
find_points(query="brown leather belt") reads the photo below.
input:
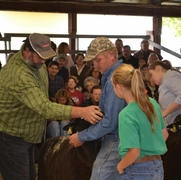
(148, 158)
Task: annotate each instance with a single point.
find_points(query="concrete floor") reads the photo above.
(36, 169)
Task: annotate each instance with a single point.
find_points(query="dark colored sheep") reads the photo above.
(172, 158)
(58, 160)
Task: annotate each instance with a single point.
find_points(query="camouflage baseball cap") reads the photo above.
(97, 46)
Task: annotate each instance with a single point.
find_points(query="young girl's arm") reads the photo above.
(165, 133)
(129, 158)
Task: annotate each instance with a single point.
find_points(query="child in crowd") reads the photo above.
(76, 76)
(144, 70)
(142, 129)
(76, 97)
(55, 127)
(141, 62)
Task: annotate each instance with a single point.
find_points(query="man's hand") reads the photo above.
(92, 114)
(74, 141)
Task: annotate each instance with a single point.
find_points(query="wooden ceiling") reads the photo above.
(149, 9)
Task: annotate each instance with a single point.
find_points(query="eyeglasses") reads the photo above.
(79, 59)
(38, 57)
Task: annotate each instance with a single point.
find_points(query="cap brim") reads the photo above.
(47, 54)
(89, 57)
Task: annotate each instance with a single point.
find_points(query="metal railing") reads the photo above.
(8, 36)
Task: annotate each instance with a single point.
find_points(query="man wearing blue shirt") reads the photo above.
(105, 58)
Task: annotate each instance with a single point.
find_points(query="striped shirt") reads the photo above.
(24, 102)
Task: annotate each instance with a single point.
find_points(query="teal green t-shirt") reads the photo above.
(135, 131)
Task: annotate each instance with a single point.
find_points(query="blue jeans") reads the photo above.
(63, 132)
(104, 167)
(16, 158)
(152, 170)
(53, 129)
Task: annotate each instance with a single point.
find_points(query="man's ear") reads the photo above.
(26, 52)
(111, 54)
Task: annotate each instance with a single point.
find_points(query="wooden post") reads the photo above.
(72, 29)
(157, 31)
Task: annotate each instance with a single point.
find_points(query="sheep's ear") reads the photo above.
(65, 128)
(71, 123)
(176, 125)
(70, 130)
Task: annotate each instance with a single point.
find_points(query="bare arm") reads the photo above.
(173, 107)
(165, 134)
(91, 114)
(129, 158)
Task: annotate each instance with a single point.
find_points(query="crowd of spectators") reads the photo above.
(78, 77)
(78, 82)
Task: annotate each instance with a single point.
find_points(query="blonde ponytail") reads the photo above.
(132, 79)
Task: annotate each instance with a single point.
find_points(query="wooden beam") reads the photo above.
(92, 8)
(72, 29)
(157, 27)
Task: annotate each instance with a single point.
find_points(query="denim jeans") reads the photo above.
(152, 170)
(63, 132)
(104, 167)
(16, 158)
(53, 129)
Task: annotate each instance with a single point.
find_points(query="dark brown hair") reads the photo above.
(158, 63)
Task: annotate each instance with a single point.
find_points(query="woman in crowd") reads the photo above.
(152, 58)
(89, 82)
(96, 74)
(81, 69)
(63, 71)
(64, 49)
(142, 130)
(169, 81)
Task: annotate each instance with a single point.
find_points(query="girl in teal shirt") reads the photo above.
(142, 130)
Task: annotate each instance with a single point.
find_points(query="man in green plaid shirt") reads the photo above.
(25, 106)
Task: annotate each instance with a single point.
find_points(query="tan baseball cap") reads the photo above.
(97, 46)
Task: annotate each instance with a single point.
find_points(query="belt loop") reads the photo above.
(154, 160)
